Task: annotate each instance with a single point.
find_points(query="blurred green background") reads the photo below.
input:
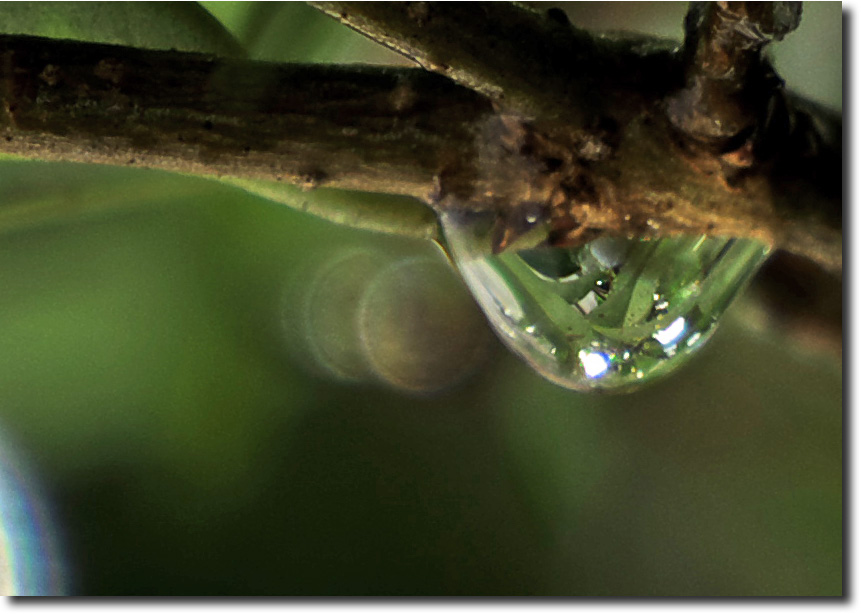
(222, 395)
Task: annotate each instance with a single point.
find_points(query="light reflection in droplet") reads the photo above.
(692, 341)
(588, 303)
(670, 335)
(595, 364)
(30, 564)
(636, 303)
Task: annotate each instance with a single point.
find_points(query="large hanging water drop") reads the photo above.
(609, 314)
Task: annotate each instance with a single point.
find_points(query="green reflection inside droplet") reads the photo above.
(610, 314)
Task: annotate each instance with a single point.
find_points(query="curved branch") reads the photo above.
(642, 141)
(624, 171)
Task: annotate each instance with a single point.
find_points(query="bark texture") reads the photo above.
(628, 135)
(365, 128)
(624, 136)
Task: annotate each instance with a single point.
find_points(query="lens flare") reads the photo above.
(30, 563)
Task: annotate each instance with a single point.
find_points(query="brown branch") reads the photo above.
(530, 62)
(607, 135)
(728, 82)
(616, 166)
(737, 119)
(363, 128)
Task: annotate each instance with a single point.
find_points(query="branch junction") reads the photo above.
(607, 136)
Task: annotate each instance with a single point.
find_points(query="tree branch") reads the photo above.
(610, 161)
(361, 128)
(728, 84)
(530, 62)
(642, 141)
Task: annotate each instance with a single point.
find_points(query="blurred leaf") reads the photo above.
(111, 340)
(184, 26)
(35, 193)
(296, 32)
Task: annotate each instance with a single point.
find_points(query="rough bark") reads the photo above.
(531, 62)
(365, 128)
(627, 136)
(601, 135)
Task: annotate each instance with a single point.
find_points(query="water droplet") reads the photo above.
(606, 315)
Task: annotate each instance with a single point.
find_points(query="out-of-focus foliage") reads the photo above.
(156, 367)
(184, 26)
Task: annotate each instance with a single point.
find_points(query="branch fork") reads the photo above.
(619, 136)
